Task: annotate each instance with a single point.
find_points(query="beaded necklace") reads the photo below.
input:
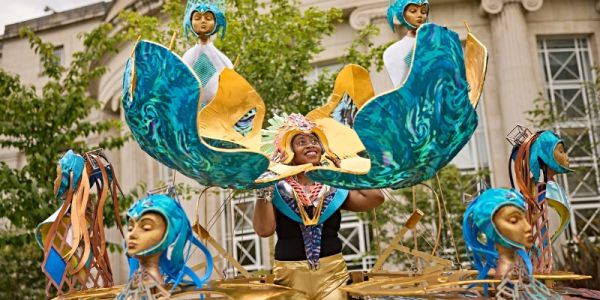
(313, 191)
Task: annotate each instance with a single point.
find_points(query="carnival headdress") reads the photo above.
(69, 163)
(542, 150)
(277, 138)
(177, 241)
(478, 219)
(82, 261)
(217, 7)
(396, 10)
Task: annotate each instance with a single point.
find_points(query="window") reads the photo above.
(165, 174)
(59, 51)
(567, 66)
(313, 76)
(474, 156)
(244, 244)
(354, 234)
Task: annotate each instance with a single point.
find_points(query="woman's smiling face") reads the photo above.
(307, 149)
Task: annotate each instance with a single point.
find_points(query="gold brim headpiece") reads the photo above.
(277, 138)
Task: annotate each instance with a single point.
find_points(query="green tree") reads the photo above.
(42, 125)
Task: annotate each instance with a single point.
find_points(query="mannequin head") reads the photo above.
(410, 13)
(203, 23)
(204, 18)
(495, 226)
(145, 232)
(548, 150)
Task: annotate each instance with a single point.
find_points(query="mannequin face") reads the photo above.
(144, 233)
(203, 23)
(416, 15)
(512, 224)
(561, 156)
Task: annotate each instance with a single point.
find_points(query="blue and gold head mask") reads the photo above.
(216, 7)
(542, 150)
(396, 10)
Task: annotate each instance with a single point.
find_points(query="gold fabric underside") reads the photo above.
(321, 284)
(476, 58)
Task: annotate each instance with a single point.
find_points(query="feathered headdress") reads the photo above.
(217, 7)
(277, 138)
(396, 10)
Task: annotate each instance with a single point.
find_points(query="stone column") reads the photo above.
(515, 65)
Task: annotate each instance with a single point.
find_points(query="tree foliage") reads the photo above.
(42, 125)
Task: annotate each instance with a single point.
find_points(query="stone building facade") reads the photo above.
(536, 46)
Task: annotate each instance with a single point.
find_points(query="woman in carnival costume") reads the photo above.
(203, 19)
(535, 161)
(499, 215)
(306, 215)
(398, 57)
(158, 244)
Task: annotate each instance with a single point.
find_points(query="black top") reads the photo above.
(290, 244)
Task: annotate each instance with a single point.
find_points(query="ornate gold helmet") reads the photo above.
(277, 138)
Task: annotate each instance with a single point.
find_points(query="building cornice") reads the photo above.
(495, 6)
(97, 10)
(364, 15)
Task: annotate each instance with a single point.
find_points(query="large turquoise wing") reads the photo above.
(160, 98)
(414, 131)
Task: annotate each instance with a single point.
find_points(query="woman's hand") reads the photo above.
(336, 160)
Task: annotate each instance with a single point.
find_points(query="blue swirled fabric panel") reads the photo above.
(162, 113)
(414, 131)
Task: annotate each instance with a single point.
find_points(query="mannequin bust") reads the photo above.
(500, 216)
(158, 244)
(398, 57)
(202, 20)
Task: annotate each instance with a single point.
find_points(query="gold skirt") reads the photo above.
(321, 284)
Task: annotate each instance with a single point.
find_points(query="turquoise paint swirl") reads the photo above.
(162, 112)
(426, 122)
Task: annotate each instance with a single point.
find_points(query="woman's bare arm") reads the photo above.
(363, 200)
(263, 220)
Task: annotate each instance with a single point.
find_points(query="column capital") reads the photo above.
(364, 15)
(495, 6)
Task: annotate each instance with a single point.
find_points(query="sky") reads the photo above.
(14, 11)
